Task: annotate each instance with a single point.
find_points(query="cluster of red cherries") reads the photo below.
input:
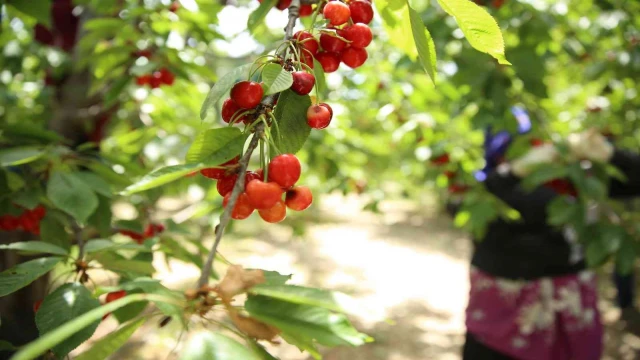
(343, 41)
(28, 221)
(454, 188)
(264, 195)
(156, 79)
(150, 231)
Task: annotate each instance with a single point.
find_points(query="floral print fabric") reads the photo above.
(546, 319)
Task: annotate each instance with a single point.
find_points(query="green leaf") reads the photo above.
(14, 181)
(321, 81)
(291, 113)
(38, 9)
(118, 264)
(543, 174)
(152, 286)
(424, 43)
(37, 247)
(70, 194)
(306, 296)
(101, 218)
(175, 249)
(257, 16)
(130, 311)
(67, 302)
(111, 96)
(260, 351)
(223, 85)
(52, 231)
(28, 198)
(108, 345)
(23, 274)
(30, 131)
(5, 345)
(625, 257)
(216, 146)
(275, 278)
(305, 321)
(95, 182)
(594, 188)
(276, 79)
(480, 29)
(20, 155)
(563, 210)
(215, 346)
(100, 245)
(161, 177)
(71, 327)
(395, 14)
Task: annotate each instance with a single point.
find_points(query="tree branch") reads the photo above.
(238, 188)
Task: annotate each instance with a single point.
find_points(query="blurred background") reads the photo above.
(377, 230)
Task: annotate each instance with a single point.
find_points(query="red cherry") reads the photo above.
(332, 43)
(158, 228)
(354, 57)
(12, 222)
(359, 34)
(497, 3)
(250, 176)
(167, 76)
(361, 11)
(242, 209)
(336, 12)
(536, 142)
(43, 35)
(218, 173)
(36, 306)
(285, 170)
(318, 117)
(306, 58)
(458, 189)
(325, 105)
(139, 238)
(274, 214)
(143, 80)
(143, 53)
(156, 80)
(299, 198)
(113, 296)
(441, 160)
(302, 82)
(40, 211)
(283, 4)
(247, 94)
(305, 10)
(307, 41)
(330, 61)
(174, 6)
(260, 174)
(263, 195)
(149, 231)
(229, 109)
(225, 184)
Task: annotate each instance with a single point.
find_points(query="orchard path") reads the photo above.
(407, 267)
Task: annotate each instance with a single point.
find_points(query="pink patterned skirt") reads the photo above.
(552, 318)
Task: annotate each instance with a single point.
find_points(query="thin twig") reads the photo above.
(77, 233)
(238, 188)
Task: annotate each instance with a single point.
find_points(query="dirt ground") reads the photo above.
(407, 268)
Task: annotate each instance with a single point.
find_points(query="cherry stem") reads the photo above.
(238, 188)
(77, 233)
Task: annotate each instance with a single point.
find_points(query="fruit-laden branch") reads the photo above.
(294, 12)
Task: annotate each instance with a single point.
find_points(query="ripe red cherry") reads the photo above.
(307, 41)
(330, 61)
(274, 214)
(441, 160)
(302, 82)
(325, 105)
(283, 4)
(449, 174)
(143, 80)
(250, 176)
(156, 80)
(247, 94)
(229, 109)
(174, 6)
(305, 10)
(536, 142)
(458, 189)
(260, 174)
(218, 173)
(40, 211)
(285, 170)
(332, 43)
(36, 306)
(225, 185)
(354, 57)
(242, 209)
(113, 296)
(299, 198)
(167, 76)
(318, 117)
(359, 34)
(336, 12)
(306, 58)
(263, 195)
(361, 11)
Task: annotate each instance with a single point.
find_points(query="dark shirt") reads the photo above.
(531, 249)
